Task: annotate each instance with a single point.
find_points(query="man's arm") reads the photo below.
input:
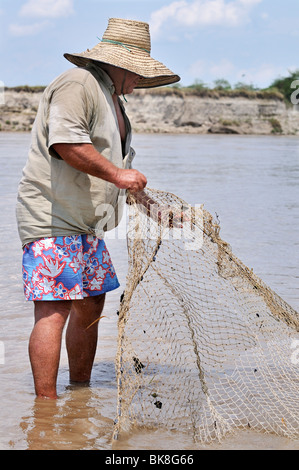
(85, 158)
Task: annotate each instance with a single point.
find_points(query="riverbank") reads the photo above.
(171, 111)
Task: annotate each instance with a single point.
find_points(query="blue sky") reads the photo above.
(253, 41)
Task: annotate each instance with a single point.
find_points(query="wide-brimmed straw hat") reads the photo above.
(126, 44)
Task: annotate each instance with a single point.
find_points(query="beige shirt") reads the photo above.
(55, 199)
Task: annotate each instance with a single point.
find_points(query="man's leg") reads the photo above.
(81, 338)
(45, 344)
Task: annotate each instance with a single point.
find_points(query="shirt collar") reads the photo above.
(103, 76)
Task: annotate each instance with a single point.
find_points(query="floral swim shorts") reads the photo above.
(67, 268)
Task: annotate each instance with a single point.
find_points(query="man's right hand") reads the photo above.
(86, 158)
(132, 180)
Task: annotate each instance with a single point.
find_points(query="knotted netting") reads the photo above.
(204, 346)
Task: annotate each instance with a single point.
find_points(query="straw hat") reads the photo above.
(126, 44)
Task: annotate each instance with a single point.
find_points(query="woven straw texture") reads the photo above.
(126, 44)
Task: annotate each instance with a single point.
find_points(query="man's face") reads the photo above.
(129, 81)
(124, 81)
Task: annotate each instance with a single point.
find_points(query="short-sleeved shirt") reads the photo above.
(55, 199)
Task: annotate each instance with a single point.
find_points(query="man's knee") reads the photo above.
(88, 310)
(54, 311)
(89, 304)
(98, 301)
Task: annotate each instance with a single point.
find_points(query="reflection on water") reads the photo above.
(242, 440)
(72, 422)
(251, 183)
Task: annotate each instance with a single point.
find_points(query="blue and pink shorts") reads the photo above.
(67, 268)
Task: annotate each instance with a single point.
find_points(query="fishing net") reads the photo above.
(204, 346)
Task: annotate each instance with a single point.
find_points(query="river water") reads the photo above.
(250, 183)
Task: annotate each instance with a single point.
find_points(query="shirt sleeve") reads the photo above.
(70, 114)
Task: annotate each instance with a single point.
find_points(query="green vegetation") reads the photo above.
(276, 126)
(27, 89)
(218, 93)
(283, 85)
(280, 89)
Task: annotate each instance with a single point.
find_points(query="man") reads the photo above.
(72, 190)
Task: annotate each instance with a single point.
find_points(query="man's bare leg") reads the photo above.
(45, 341)
(81, 338)
(45, 344)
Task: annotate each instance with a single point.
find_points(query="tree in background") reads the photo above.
(283, 84)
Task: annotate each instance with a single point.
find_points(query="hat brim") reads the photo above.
(153, 72)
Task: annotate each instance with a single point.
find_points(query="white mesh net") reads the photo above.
(204, 347)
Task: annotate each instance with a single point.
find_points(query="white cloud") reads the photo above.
(221, 69)
(202, 13)
(28, 29)
(47, 8)
(212, 71)
(261, 75)
(198, 69)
